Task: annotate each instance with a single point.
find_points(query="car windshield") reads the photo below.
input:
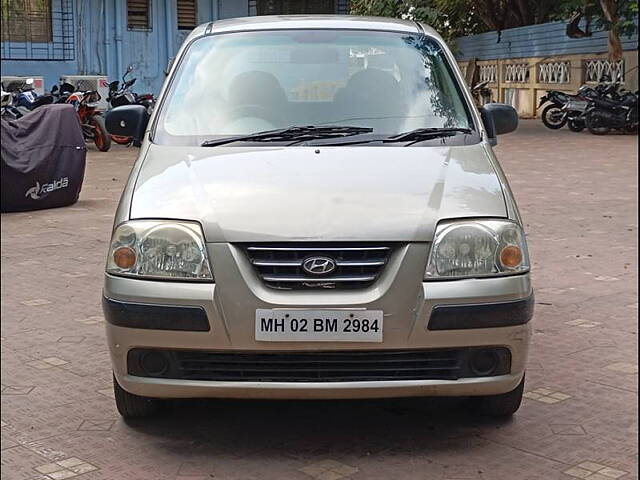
(243, 83)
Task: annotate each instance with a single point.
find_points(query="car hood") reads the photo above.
(252, 194)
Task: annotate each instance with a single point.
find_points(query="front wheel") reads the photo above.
(503, 405)
(596, 125)
(120, 140)
(134, 406)
(100, 136)
(553, 117)
(576, 125)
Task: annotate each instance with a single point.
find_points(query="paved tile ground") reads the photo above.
(578, 196)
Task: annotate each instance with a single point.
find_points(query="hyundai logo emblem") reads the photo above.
(319, 265)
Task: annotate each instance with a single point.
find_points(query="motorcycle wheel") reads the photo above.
(596, 127)
(552, 117)
(576, 125)
(121, 140)
(631, 129)
(100, 136)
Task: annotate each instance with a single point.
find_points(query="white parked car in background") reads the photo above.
(316, 212)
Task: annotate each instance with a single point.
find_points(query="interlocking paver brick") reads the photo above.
(623, 367)
(578, 197)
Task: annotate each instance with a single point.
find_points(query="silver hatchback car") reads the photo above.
(316, 212)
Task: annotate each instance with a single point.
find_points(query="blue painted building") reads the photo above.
(52, 38)
(544, 40)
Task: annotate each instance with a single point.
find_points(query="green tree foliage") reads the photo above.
(455, 18)
(618, 17)
(452, 18)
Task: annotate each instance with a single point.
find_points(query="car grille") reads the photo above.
(335, 366)
(281, 265)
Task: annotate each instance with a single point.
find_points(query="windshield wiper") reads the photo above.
(297, 133)
(427, 133)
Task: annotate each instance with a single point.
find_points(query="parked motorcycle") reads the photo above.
(481, 94)
(24, 99)
(7, 108)
(566, 108)
(61, 94)
(29, 99)
(620, 113)
(91, 120)
(121, 94)
(6, 100)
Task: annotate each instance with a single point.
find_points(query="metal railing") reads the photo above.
(38, 33)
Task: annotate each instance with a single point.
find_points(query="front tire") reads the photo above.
(553, 118)
(503, 405)
(100, 136)
(595, 125)
(120, 140)
(576, 125)
(134, 406)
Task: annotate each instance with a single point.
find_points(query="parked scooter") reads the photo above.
(619, 113)
(91, 120)
(121, 94)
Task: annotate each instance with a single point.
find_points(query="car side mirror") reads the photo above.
(127, 121)
(498, 119)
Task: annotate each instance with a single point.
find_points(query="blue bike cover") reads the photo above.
(43, 159)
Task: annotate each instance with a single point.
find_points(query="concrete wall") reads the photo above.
(524, 93)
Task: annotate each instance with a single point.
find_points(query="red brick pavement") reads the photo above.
(578, 197)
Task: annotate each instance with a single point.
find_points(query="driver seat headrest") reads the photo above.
(256, 87)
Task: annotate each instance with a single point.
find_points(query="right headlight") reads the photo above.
(159, 249)
(477, 248)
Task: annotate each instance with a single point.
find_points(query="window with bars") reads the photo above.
(187, 14)
(139, 14)
(26, 21)
(287, 7)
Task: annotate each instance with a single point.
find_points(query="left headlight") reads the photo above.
(477, 248)
(162, 250)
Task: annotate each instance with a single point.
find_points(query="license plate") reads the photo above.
(318, 325)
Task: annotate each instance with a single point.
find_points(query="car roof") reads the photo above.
(275, 22)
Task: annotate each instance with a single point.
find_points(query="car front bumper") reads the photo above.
(410, 308)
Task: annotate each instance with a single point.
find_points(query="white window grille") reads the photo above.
(598, 70)
(463, 69)
(516, 73)
(554, 72)
(488, 73)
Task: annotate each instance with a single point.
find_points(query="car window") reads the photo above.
(241, 83)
